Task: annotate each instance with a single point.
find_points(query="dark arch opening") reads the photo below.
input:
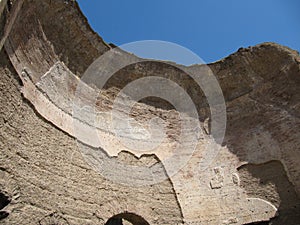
(128, 217)
(4, 201)
(259, 223)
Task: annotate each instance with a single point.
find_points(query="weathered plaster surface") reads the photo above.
(45, 173)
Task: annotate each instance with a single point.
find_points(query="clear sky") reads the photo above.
(212, 29)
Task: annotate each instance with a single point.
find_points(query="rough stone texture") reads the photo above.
(269, 181)
(45, 178)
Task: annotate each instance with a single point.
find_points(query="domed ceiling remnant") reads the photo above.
(67, 159)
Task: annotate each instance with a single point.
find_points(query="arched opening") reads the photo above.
(4, 201)
(259, 223)
(127, 219)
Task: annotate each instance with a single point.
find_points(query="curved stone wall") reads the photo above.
(44, 169)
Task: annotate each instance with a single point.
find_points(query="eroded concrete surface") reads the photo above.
(44, 174)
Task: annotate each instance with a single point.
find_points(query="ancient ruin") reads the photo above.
(61, 161)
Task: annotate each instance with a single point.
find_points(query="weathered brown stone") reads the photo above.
(44, 174)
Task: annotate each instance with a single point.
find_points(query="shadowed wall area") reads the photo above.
(270, 182)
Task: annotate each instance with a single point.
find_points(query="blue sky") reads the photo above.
(212, 29)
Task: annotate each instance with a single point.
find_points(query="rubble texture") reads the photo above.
(44, 175)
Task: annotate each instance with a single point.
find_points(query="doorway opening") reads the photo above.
(4, 201)
(127, 219)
